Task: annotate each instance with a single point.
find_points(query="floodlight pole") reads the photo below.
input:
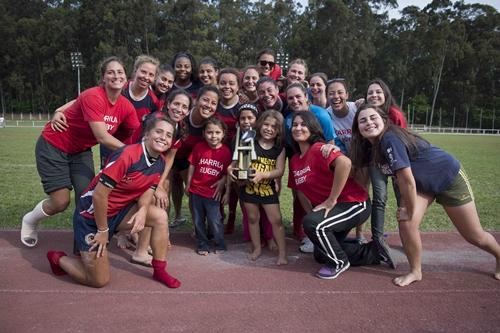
(77, 63)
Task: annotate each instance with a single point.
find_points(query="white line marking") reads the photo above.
(246, 292)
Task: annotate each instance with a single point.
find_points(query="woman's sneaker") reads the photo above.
(329, 273)
(307, 246)
(384, 252)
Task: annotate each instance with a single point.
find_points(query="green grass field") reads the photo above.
(20, 187)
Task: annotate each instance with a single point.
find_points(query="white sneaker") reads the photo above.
(307, 246)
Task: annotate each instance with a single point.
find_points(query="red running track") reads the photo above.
(227, 293)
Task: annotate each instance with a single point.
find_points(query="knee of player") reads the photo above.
(157, 217)
(99, 281)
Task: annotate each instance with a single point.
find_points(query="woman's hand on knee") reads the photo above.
(327, 205)
(100, 242)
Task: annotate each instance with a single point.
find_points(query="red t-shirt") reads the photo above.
(92, 105)
(311, 175)
(397, 117)
(210, 165)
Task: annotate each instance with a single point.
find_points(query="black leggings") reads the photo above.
(328, 235)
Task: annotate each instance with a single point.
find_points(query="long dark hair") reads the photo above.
(362, 152)
(312, 124)
(389, 99)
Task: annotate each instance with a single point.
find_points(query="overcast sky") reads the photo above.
(422, 3)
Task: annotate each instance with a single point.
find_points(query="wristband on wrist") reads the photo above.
(102, 231)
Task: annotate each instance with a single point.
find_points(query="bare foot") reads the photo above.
(497, 273)
(122, 241)
(407, 279)
(254, 254)
(271, 244)
(282, 261)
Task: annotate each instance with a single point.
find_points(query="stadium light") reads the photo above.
(77, 63)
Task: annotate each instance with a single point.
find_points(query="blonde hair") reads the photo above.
(146, 59)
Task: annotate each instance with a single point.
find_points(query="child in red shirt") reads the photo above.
(206, 179)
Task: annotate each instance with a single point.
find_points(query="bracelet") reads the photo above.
(102, 231)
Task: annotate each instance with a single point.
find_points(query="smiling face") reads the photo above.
(296, 73)
(247, 120)
(375, 95)
(269, 129)
(207, 74)
(214, 135)
(178, 109)
(268, 94)
(228, 86)
(337, 96)
(300, 132)
(370, 124)
(183, 69)
(159, 138)
(206, 105)
(114, 77)
(265, 64)
(297, 100)
(164, 82)
(250, 78)
(144, 75)
(317, 86)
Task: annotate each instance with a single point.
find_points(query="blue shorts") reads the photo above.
(85, 229)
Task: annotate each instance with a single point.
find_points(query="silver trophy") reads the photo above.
(244, 153)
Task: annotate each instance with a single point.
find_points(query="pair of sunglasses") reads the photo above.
(263, 63)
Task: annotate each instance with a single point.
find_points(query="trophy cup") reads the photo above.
(244, 153)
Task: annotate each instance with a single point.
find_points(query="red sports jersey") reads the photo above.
(145, 106)
(311, 175)
(210, 165)
(229, 117)
(193, 137)
(133, 175)
(91, 105)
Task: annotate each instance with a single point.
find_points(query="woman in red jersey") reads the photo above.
(64, 159)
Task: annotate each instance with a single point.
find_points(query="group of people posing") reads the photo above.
(171, 131)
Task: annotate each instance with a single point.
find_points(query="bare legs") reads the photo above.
(465, 219)
(274, 215)
(412, 243)
(95, 272)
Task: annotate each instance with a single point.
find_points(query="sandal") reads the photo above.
(202, 252)
(29, 233)
(143, 261)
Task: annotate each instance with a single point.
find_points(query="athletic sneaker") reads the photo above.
(384, 251)
(329, 273)
(307, 246)
(178, 222)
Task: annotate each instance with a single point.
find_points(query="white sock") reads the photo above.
(36, 215)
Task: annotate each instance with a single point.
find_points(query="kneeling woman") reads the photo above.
(334, 202)
(120, 198)
(423, 173)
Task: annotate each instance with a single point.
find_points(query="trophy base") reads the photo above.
(244, 174)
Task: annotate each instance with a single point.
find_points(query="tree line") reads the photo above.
(446, 55)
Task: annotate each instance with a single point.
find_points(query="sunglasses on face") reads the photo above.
(263, 63)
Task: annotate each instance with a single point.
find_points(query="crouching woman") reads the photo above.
(119, 198)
